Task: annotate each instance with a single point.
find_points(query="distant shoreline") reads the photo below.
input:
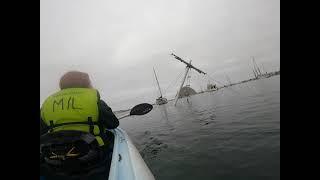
(263, 76)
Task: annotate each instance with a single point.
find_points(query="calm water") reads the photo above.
(229, 134)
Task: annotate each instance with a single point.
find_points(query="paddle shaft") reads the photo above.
(124, 116)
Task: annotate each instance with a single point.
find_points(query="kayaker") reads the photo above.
(77, 107)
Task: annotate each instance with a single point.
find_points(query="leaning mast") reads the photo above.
(157, 82)
(188, 68)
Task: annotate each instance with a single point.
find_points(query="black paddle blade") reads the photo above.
(141, 109)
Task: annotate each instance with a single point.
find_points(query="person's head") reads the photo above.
(75, 79)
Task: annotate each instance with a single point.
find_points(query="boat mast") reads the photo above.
(157, 82)
(183, 80)
(256, 66)
(264, 69)
(254, 73)
(188, 67)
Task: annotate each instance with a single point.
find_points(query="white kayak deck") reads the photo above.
(127, 163)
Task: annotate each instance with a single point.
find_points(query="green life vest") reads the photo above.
(74, 109)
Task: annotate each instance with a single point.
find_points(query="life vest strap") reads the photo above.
(89, 122)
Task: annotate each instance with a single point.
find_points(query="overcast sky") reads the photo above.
(118, 42)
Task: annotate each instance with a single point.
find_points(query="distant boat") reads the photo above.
(160, 100)
(211, 87)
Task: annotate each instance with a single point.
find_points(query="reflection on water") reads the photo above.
(165, 117)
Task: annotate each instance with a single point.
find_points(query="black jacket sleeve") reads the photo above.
(106, 116)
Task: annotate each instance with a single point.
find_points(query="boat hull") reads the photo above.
(127, 163)
(161, 101)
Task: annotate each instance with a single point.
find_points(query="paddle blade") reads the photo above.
(141, 109)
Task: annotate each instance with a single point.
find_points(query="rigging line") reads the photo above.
(155, 87)
(174, 82)
(198, 81)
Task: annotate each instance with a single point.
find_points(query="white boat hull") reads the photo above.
(161, 101)
(127, 163)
